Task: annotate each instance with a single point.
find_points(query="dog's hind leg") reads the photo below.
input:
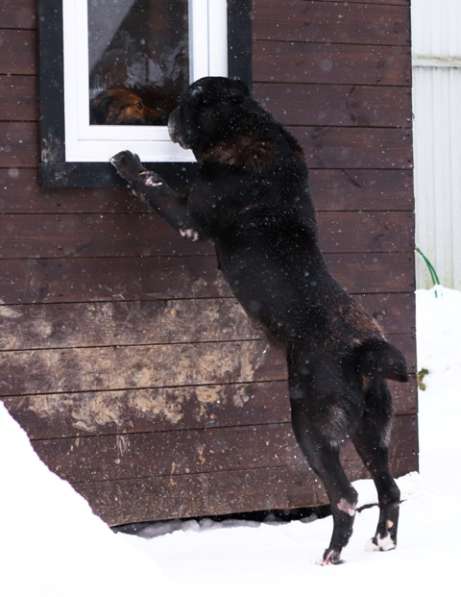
(323, 457)
(371, 441)
(313, 421)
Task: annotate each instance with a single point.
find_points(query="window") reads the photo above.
(112, 70)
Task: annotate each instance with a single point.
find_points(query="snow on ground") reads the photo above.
(53, 546)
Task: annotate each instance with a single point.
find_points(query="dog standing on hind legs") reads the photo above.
(251, 198)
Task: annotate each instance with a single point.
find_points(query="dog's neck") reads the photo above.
(245, 152)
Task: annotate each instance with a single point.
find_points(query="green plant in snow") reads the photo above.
(432, 271)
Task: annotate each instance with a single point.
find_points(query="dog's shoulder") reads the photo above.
(261, 145)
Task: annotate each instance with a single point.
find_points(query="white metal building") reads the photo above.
(437, 136)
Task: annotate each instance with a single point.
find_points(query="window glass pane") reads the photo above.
(138, 59)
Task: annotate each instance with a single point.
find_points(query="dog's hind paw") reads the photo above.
(379, 543)
(331, 557)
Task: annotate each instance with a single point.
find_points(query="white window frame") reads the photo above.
(85, 142)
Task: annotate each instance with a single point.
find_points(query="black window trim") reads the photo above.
(55, 172)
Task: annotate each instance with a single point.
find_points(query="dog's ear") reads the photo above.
(196, 91)
(100, 108)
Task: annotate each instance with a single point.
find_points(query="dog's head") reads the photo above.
(120, 105)
(208, 112)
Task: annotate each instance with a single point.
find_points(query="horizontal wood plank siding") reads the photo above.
(273, 61)
(18, 98)
(285, 486)
(336, 105)
(124, 501)
(123, 352)
(18, 54)
(331, 105)
(27, 327)
(331, 147)
(144, 410)
(301, 62)
(325, 147)
(113, 457)
(322, 22)
(332, 190)
(26, 236)
(131, 278)
(18, 14)
(82, 369)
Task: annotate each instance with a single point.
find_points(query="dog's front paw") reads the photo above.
(127, 164)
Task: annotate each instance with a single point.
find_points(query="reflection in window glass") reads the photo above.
(139, 59)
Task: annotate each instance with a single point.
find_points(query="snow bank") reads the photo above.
(439, 351)
(51, 544)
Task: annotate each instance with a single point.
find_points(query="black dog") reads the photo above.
(251, 198)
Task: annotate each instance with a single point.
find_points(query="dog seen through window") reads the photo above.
(138, 60)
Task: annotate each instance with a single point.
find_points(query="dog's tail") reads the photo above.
(377, 358)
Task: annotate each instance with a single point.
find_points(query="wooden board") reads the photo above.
(301, 104)
(130, 278)
(298, 62)
(273, 61)
(18, 98)
(325, 147)
(241, 489)
(144, 410)
(332, 190)
(204, 494)
(20, 143)
(106, 235)
(386, 2)
(72, 414)
(21, 14)
(18, 14)
(186, 452)
(325, 22)
(28, 327)
(368, 190)
(19, 52)
(146, 366)
(161, 498)
(336, 105)
(159, 454)
(331, 147)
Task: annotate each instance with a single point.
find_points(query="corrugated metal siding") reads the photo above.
(437, 136)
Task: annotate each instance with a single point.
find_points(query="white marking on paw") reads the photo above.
(379, 543)
(151, 182)
(346, 507)
(371, 546)
(189, 233)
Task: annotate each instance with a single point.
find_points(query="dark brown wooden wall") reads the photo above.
(122, 351)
